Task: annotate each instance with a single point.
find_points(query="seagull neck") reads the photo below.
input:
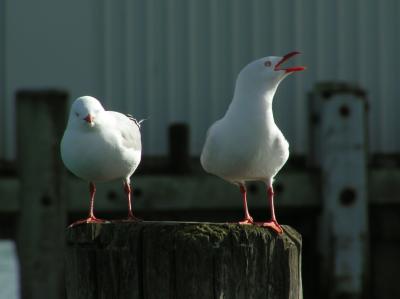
(257, 98)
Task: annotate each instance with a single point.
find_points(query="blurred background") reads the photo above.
(174, 63)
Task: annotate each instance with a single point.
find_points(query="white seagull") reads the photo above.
(100, 145)
(246, 144)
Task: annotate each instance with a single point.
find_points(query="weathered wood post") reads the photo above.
(41, 118)
(182, 260)
(340, 148)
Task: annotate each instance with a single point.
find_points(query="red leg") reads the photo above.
(92, 190)
(128, 192)
(273, 223)
(247, 218)
(91, 218)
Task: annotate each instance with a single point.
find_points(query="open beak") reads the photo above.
(289, 69)
(89, 118)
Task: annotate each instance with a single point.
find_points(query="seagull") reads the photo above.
(246, 144)
(100, 145)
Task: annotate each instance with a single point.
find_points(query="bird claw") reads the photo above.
(88, 220)
(273, 224)
(246, 221)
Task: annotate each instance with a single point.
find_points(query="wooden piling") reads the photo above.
(41, 119)
(341, 144)
(182, 260)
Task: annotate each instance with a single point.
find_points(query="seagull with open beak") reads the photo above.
(246, 144)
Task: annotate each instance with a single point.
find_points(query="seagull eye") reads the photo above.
(267, 63)
(77, 114)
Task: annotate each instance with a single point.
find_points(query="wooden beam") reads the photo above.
(206, 192)
(301, 188)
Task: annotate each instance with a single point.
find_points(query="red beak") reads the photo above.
(289, 69)
(89, 118)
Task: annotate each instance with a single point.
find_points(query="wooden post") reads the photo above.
(41, 119)
(179, 156)
(341, 143)
(182, 260)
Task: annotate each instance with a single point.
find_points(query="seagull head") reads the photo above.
(84, 111)
(267, 72)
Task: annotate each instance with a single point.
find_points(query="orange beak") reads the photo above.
(89, 118)
(290, 69)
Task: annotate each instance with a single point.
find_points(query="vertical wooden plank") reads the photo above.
(199, 71)
(137, 91)
(344, 226)
(129, 30)
(41, 122)
(347, 40)
(156, 75)
(388, 78)
(98, 50)
(242, 37)
(309, 10)
(326, 36)
(115, 54)
(298, 124)
(2, 76)
(262, 29)
(8, 107)
(107, 51)
(222, 78)
(177, 58)
(367, 67)
(284, 43)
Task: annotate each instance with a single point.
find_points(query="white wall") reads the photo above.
(177, 60)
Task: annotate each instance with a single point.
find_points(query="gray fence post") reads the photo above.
(340, 148)
(41, 117)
